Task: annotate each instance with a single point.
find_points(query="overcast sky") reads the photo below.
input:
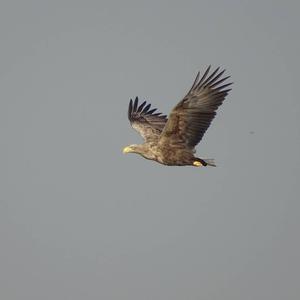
(81, 220)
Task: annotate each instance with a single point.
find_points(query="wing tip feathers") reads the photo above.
(136, 111)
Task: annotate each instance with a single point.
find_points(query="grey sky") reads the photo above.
(80, 220)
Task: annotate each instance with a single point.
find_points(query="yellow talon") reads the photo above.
(197, 164)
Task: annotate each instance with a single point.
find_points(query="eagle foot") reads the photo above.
(197, 164)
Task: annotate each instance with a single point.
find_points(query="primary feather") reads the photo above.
(147, 123)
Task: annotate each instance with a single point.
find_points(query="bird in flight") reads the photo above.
(171, 141)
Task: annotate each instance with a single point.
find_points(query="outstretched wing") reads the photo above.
(147, 123)
(191, 117)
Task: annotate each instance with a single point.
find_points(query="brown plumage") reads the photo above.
(171, 141)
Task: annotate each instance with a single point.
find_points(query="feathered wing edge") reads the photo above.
(211, 81)
(146, 121)
(136, 111)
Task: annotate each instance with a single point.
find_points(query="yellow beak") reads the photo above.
(126, 150)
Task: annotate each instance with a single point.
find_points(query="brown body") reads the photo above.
(167, 156)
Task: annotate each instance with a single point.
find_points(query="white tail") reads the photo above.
(210, 162)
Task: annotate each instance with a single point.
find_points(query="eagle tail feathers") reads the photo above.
(207, 162)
